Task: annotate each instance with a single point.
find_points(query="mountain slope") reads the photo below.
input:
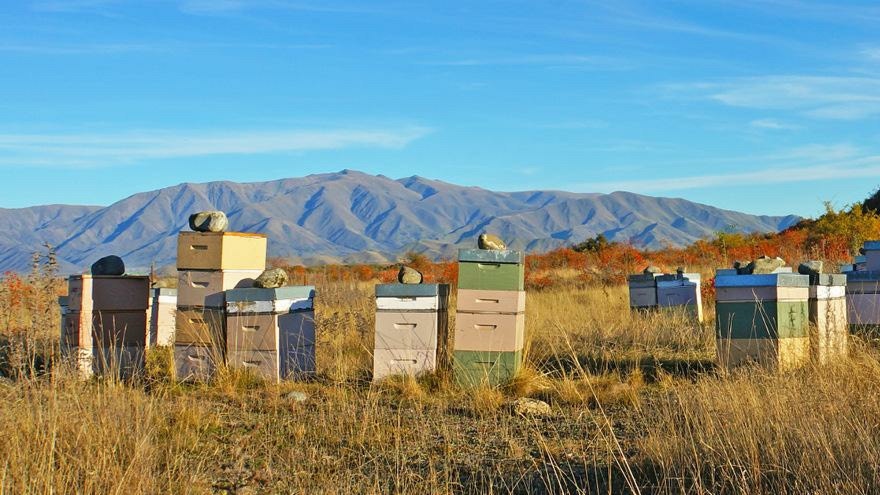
(353, 216)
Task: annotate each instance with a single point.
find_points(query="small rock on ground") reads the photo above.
(525, 406)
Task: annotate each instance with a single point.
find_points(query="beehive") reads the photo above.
(162, 315)
(863, 301)
(209, 264)
(411, 329)
(642, 291)
(829, 332)
(490, 317)
(872, 255)
(762, 319)
(680, 292)
(104, 323)
(271, 331)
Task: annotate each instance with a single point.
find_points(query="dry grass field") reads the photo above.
(637, 408)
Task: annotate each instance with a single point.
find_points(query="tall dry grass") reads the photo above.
(637, 407)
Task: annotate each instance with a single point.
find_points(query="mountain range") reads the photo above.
(350, 216)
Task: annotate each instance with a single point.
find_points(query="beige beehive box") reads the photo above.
(221, 251)
(271, 331)
(829, 332)
(205, 288)
(411, 329)
(162, 316)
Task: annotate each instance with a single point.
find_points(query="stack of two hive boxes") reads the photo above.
(763, 319)
(104, 323)
(411, 329)
(863, 292)
(490, 317)
(271, 331)
(829, 332)
(208, 264)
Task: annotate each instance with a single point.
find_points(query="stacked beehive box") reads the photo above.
(271, 331)
(208, 264)
(680, 292)
(863, 301)
(642, 291)
(762, 319)
(104, 327)
(829, 333)
(872, 256)
(490, 317)
(162, 314)
(411, 329)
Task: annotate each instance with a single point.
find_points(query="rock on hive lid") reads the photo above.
(486, 256)
(411, 290)
(257, 294)
(763, 280)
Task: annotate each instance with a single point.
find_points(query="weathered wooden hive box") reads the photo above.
(411, 331)
(863, 301)
(642, 291)
(162, 315)
(762, 319)
(829, 332)
(490, 317)
(104, 325)
(271, 331)
(681, 292)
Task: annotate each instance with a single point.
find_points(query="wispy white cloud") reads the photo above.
(110, 48)
(773, 124)
(561, 60)
(107, 149)
(803, 164)
(825, 97)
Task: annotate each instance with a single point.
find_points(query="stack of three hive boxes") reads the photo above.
(490, 317)
(863, 290)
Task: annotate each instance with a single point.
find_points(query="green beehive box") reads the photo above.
(472, 368)
(762, 320)
(490, 276)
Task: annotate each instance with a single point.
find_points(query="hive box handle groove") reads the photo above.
(198, 247)
(490, 301)
(485, 327)
(405, 326)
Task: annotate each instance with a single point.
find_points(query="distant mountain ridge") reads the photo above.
(350, 216)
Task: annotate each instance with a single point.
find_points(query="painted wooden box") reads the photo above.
(206, 288)
(108, 293)
(221, 251)
(492, 368)
(829, 331)
(490, 270)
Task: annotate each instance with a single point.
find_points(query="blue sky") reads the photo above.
(764, 106)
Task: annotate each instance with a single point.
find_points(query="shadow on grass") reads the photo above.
(651, 367)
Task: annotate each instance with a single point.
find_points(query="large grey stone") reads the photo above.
(108, 265)
(765, 265)
(271, 279)
(491, 242)
(812, 267)
(209, 221)
(408, 275)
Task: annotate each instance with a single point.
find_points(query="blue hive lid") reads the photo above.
(411, 290)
